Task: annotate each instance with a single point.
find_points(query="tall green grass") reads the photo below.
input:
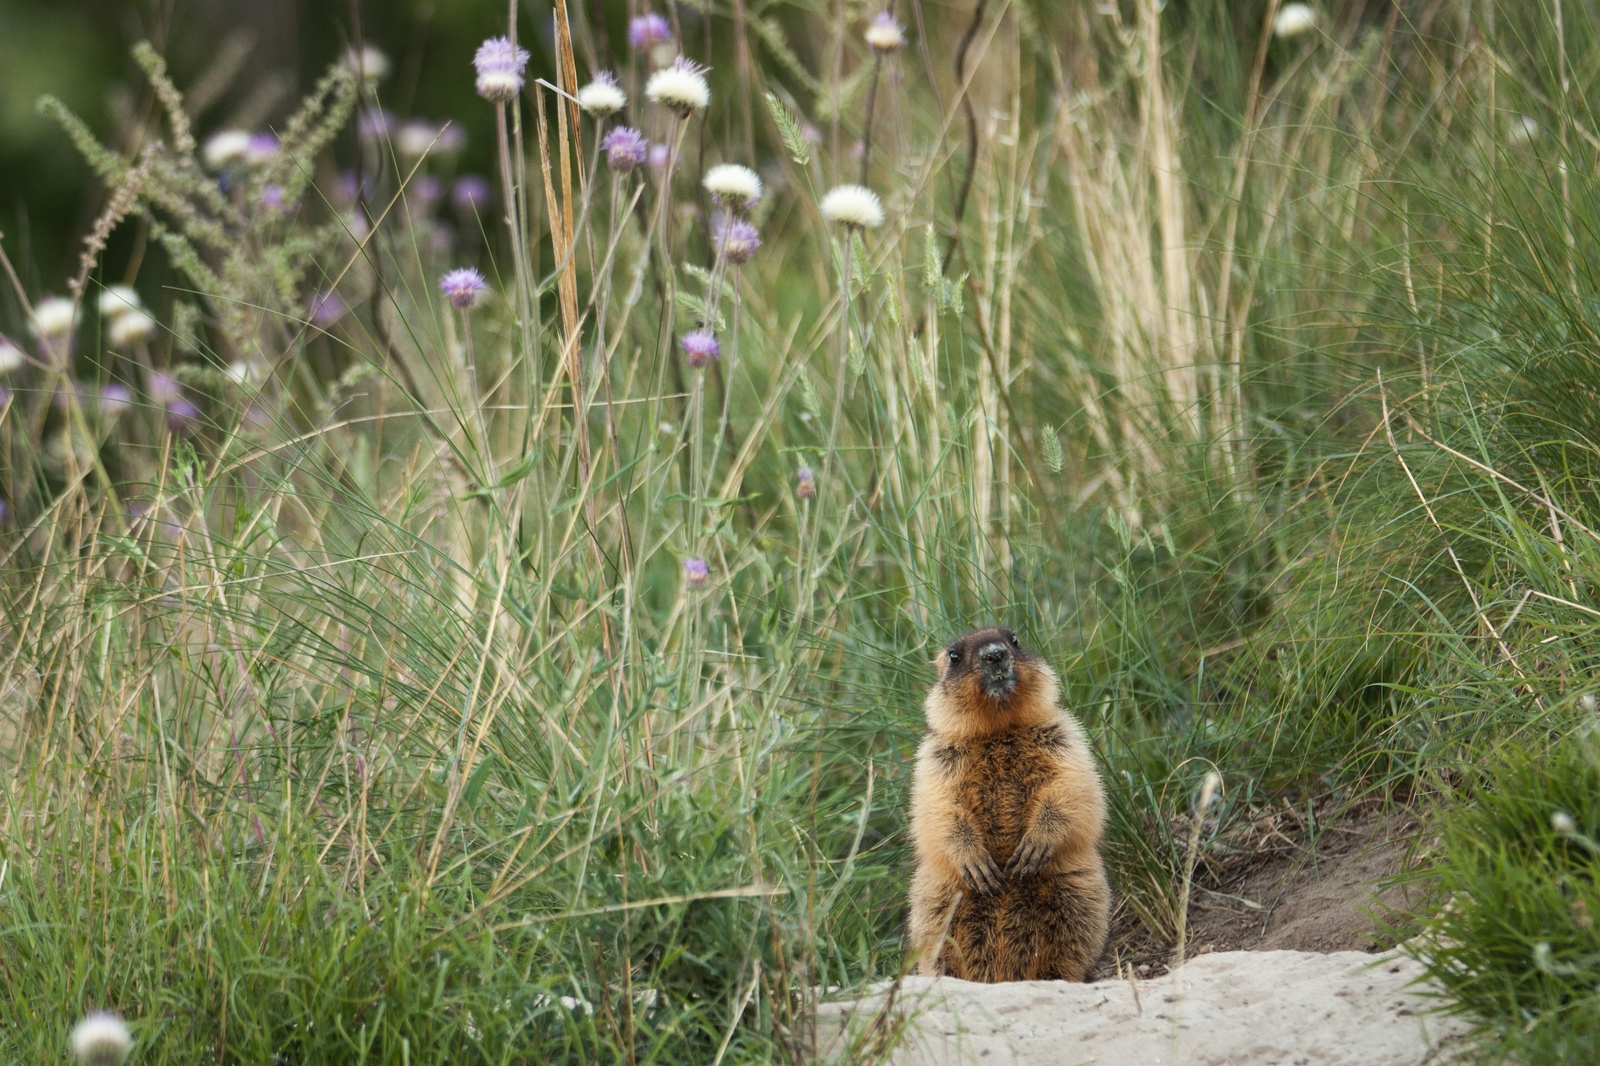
(377, 718)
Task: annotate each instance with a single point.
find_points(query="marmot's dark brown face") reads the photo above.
(992, 661)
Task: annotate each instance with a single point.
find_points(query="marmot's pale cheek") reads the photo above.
(1006, 816)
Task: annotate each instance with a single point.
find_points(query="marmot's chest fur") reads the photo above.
(1007, 811)
(995, 776)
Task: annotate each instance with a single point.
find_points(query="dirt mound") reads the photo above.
(1279, 884)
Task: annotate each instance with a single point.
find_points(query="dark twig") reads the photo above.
(972, 130)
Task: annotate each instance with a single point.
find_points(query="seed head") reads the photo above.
(884, 34)
(648, 30)
(367, 63)
(131, 327)
(805, 484)
(602, 96)
(471, 194)
(52, 318)
(854, 206)
(738, 241)
(416, 138)
(500, 65)
(1293, 20)
(625, 148)
(695, 572)
(681, 87)
(463, 285)
(224, 147)
(1588, 703)
(733, 186)
(101, 1039)
(700, 347)
(117, 300)
(1563, 823)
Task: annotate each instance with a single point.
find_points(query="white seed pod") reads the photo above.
(602, 96)
(101, 1039)
(732, 185)
(1293, 20)
(681, 87)
(11, 357)
(1563, 823)
(855, 206)
(224, 147)
(884, 34)
(52, 317)
(118, 299)
(369, 63)
(130, 327)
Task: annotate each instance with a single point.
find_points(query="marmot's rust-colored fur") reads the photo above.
(1006, 815)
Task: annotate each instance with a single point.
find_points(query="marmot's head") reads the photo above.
(987, 681)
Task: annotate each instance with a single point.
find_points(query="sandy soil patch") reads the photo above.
(1237, 1008)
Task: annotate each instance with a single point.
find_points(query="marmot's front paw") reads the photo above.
(982, 875)
(1030, 857)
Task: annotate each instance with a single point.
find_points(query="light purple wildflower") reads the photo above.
(351, 185)
(805, 485)
(696, 572)
(471, 194)
(5, 513)
(422, 192)
(327, 308)
(659, 154)
(163, 388)
(115, 398)
(700, 346)
(648, 30)
(738, 241)
(452, 139)
(625, 148)
(500, 66)
(375, 124)
(463, 285)
(260, 148)
(182, 415)
(276, 200)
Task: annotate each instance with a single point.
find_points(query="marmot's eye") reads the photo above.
(955, 656)
(1014, 643)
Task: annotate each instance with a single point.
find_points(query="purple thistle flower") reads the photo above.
(696, 572)
(351, 185)
(701, 347)
(422, 192)
(648, 30)
(805, 486)
(463, 285)
(327, 307)
(374, 124)
(625, 148)
(471, 194)
(182, 415)
(500, 66)
(274, 199)
(115, 398)
(738, 241)
(260, 148)
(659, 153)
(163, 388)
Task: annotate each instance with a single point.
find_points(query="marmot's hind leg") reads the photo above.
(1072, 924)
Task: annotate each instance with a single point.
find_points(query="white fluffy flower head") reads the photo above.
(1563, 823)
(52, 317)
(101, 1039)
(884, 34)
(118, 300)
(11, 357)
(855, 206)
(682, 87)
(130, 327)
(224, 147)
(1293, 20)
(603, 96)
(735, 186)
(367, 62)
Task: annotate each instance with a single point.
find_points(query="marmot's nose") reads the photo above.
(994, 653)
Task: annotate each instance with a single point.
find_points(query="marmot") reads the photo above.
(1006, 814)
